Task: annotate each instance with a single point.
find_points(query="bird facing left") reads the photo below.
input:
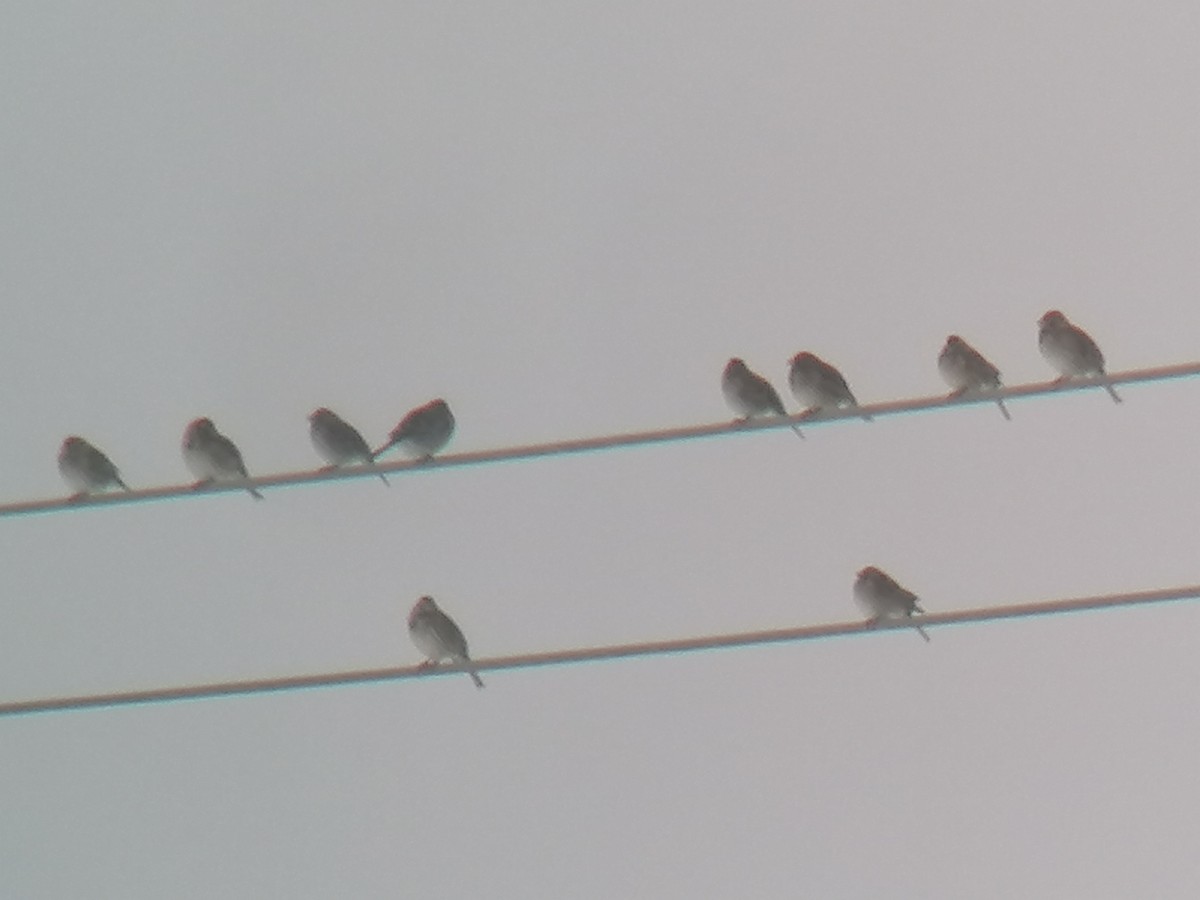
(438, 637)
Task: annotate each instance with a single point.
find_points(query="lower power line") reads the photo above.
(591, 654)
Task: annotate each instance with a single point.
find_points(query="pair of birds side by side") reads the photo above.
(818, 385)
(814, 382)
(1068, 348)
(212, 457)
(422, 432)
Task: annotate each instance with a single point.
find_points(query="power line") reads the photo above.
(592, 654)
(602, 442)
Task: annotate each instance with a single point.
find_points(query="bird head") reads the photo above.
(421, 607)
(870, 573)
(1052, 319)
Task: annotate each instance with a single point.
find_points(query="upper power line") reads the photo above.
(605, 442)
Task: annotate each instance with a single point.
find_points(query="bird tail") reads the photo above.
(1003, 409)
(799, 433)
(254, 493)
(917, 625)
(1112, 392)
(475, 678)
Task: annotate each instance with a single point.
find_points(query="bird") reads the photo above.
(965, 369)
(436, 636)
(423, 431)
(338, 442)
(817, 384)
(213, 457)
(881, 597)
(85, 469)
(749, 394)
(1071, 350)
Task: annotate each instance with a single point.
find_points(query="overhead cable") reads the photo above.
(593, 654)
(602, 442)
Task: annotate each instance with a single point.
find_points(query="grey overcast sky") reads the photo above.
(564, 218)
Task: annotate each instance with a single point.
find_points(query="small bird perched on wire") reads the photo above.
(881, 597)
(1071, 350)
(749, 394)
(338, 442)
(965, 369)
(422, 432)
(816, 384)
(213, 457)
(85, 469)
(438, 638)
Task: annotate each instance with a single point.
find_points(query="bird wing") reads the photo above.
(835, 385)
(227, 456)
(449, 634)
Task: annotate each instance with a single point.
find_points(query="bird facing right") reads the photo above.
(1071, 350)
(965, 369)
(85, 469)
(423, 431)
(881, 597)
(438, 637)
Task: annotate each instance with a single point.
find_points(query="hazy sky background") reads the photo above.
(564, 218)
